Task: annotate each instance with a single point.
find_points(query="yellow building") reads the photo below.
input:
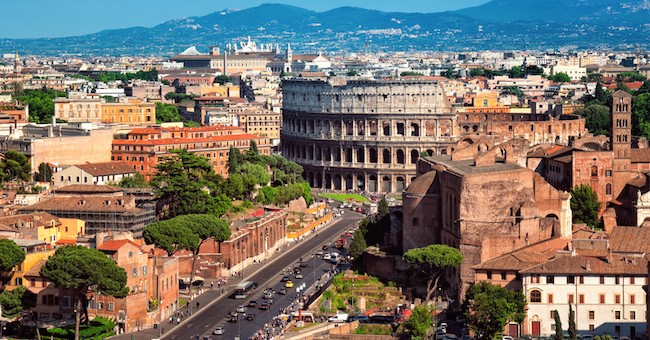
(132, 111)
(35, 251)
(486, 99)
(44, 227)
(71, 228)
(261, 122)
(78, 108)
(218, 90)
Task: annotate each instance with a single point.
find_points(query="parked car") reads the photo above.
(506, 337)
(360, 318)
(219, 330)
(338, 318)
(327, 256)
(325, 247)
(466, 337)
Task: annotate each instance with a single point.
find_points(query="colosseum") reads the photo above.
(364, 135)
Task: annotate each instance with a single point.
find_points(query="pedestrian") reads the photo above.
(178, 320)
(211, 285)
(171, 319)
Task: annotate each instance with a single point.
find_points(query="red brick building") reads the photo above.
(144, 148)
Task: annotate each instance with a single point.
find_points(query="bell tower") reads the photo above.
(17, 64)
(621, 129)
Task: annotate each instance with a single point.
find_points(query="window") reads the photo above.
(416, 222)
(594, 171)
(135, 272)
(602, 280)
(66, 301)
(608, 173)
(592, 327)
(110, 306)
(608, 189)
(550, 298)
(571, 279)
(631, 280)
(570, 298)
(130, 254)
(489, 275)
(503, 275)
(550, 279)
(617, 315)
(632, 299)
(100, 305)
(552, 314)
(592, 315)
(535, 296)
(601, 298)
(145, 270)
(534, 279)
(581, 298)
(632, 315)
(617, 279)
(617, 298)
(582, 279)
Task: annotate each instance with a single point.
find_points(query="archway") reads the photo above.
(361, 157)
(337, 154)
(348, 155)
(401, 159)
(386, 128)
(373, 128)
(349, 182)
(415, 130)
(328, 181)
(385, 184)
(361, 183)
(337, 182)
(400, 129)
(415, 154)
(372, 183)
(372, 155)
(400, 184)
(328, 154)
(429, 152)
(500, 155)
(318, 155)
(319, 180)
(310, 179)
(386, 156)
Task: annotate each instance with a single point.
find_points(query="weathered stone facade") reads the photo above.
(485, 205)
(362, 134)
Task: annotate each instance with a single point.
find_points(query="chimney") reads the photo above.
(588, 266)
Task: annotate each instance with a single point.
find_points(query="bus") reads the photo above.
(245, 289)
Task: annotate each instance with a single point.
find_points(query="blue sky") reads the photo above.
(47, 18)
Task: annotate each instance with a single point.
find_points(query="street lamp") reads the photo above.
(243, 254)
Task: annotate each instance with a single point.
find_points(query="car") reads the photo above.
(289, 284)
(264, 306)
(285, 278)
(303, 264)
(324, 247)
(252, 303)
(381, 319)
(443, 325)
(250, 317)
(299, 276)
(268, 295)
(360, 318)
(219, 330)
(329, 200)
(241, 309)
(283, 291)
(347, 234)
(450, 337)
(319, 253)
(233, 318)
(507, 337)
(327, 256)
(338, 318)
(206, 337)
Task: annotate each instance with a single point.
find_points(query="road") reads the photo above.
(267, 275)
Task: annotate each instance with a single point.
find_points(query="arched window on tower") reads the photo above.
(608, 189)
(594, 171)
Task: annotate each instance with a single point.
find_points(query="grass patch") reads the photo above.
(182, 302)
(307, 325)
(345, 197)
(374, 329)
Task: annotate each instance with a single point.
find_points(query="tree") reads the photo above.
(358, 245)
(41, 103)
(585, 205)
(515, 91)
(600, 93)
(419, 324)
(15, 301)
(560, 78)
(15, 166)
(187, 232)
(11, 255)
(44, 173)
(573, 332)
(234, 157)
(382, 208)
(253, 148)
(558, 326)
(135, 181)
(488, 308)
(223, 79)
(516, 72)
(432, 261)
(597, 119)
(410, 73)
(166, 113)
(82, 269)
(181, 182)
(641, 114)
(352, 73)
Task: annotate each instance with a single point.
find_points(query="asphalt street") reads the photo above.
(215, 308)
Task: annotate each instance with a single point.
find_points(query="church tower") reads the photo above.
(17, 64)
(621, 129)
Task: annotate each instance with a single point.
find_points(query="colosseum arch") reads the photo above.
(361, 157)
(415, 155)
(337, 154)
(361, 128)
(318, 155)
(310, 179)
(372, 155)
(373, 128)
(337, 182)
(415, 130)
(348, 155)
(401, 130)
(401, 158)
(430, 152)
(328, 154)
(466, 128)
(312, 126)
(349, 182)
(482, 147)
(310, 152)
(385, 156)
(319, 180)
(400, 183)
(349, 128)
(328, 181)
(372, 183)
(386, 128)
(500, 155)
(361, 183)
(385, 184)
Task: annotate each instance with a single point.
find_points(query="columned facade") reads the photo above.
(364, 135)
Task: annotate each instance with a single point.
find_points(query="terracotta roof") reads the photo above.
(305, 57)
(144, 131)
(516, 261)
(35, 270)
(640, 155)
(585, 265)
(88, 188)
(87, 203)
(630, 240)
(115, 245)
(66, 241)
(108, 168)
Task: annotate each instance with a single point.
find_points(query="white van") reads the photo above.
(339, 318)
